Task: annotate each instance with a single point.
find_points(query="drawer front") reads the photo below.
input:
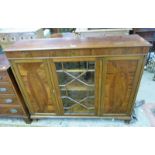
(8, 100)
(6, 88)
(11, 111)
(4, 77)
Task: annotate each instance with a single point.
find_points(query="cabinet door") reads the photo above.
(34, 82)
(120, 81)
(76, 85)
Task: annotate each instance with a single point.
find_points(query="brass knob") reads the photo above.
(3, 89)
(8, 101)
(13, 110)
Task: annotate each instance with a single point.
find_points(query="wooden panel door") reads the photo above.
(35, 84)
(120, 81)
(76, 85)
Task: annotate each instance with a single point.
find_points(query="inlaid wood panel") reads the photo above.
(119, 84)
(61, 53)
(36, 86)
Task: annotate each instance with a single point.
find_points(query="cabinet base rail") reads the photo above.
(123, 117)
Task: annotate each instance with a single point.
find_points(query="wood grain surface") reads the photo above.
(79, 43)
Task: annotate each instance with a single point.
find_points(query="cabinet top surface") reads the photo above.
(79, 43)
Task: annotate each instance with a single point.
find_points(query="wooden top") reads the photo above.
(4, 63)
(79, 43)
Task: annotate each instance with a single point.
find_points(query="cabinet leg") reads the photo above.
(27, 120)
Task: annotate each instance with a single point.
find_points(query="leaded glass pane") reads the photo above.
(77, 83)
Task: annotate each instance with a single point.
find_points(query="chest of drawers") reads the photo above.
(11, 100)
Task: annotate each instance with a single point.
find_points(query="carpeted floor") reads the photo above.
(149, 110)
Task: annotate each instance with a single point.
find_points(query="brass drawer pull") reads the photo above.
(9, 101)
(13, 111)
(3, 89)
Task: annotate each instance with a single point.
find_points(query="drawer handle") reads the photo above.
(1, 78)
(9, 101)
(13, 111)
(3, 89)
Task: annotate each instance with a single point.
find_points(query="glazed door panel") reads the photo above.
(76, 81)
(34, 81)
(121, 79)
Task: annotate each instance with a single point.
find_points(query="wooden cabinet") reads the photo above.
(79, 77)
(11, 101)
